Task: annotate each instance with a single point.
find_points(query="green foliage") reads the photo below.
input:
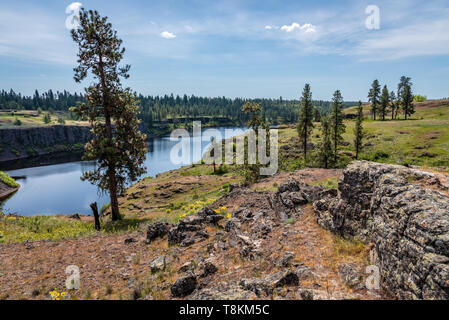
(407, 102)
(336, 120)
(305, 122)
(384, 102)
(6, 179)
(251, 172)
(61, 120)
(254, 110)
(419, 98)
(373, 97)
(358, 131)
(118, 145)
(20, 229)
(325, 153)
(47, 118)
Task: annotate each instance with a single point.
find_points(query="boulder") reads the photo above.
(158, 264)
(184, 286)
(157, 230)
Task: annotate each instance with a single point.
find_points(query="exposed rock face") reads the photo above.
(21, 143)
(404, 212)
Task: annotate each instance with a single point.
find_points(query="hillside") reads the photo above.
(423, 140)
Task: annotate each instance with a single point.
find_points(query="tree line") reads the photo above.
(159, 108)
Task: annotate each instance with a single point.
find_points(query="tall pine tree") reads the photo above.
(384, 102)
(117, 145)
(407, 101)
(305, 122)
(325, 149)
(358, 131)
(337, 125)
(373, 97)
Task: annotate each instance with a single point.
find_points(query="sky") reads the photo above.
(245, 48)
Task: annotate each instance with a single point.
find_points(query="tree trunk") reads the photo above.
(113, 195)
(94, 208)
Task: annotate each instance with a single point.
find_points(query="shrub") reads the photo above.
(419, 98)
(17, 122)
(6, 179)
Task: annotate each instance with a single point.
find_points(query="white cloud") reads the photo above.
(168, 35)
(268, 27)
(307, 27)
(291, 27)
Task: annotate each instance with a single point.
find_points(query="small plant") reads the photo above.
(47, 118)
(61, 120)
(17, 122)
(6, 179)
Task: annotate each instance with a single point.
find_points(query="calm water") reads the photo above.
(57, 189)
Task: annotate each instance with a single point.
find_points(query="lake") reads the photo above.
(58, 189)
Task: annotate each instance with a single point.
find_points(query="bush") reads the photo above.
(61, 120)
(419, 98)
(17, 122)
(6, 179)
(47, 118)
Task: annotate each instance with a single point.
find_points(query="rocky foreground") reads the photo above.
(404, 213)
(301, 241)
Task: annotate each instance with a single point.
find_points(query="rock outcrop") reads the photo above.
(404, 213)
(19, 143)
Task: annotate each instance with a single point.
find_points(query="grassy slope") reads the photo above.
(31, 118)
(422, 140)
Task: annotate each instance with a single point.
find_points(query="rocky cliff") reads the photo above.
(22, 143)
(404, 213)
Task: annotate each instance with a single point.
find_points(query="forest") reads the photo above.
(160, 108)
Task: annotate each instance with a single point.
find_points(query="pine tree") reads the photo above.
(305, 122)
(407, 101)
(384, 102)
(255, 122)
(117, 146)
(325, 150)
(373, 97)
(337, 125)
(393, 105)
(358, 130)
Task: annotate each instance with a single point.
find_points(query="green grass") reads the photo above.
(422, 140)
(331, 183)
(6, 179)
(19, 229)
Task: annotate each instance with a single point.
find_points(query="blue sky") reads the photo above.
(237, 48)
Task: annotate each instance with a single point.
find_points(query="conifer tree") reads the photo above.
(305, 122)
(337, 125)
(358, 130)
(407, 101)
(325, 149)
(373, 97)
(393, 105)
(384, 102)
(117, 145)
